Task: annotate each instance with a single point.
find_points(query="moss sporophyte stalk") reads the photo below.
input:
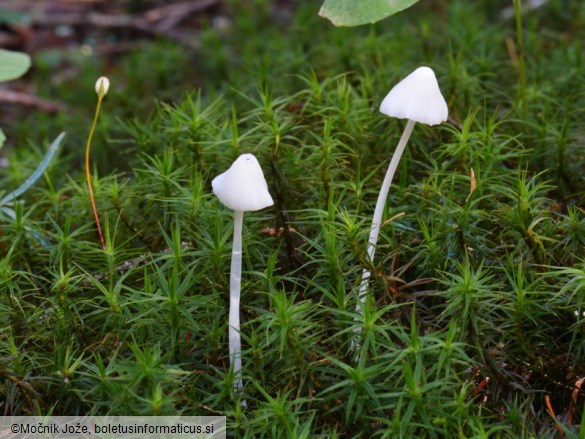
(102, 86)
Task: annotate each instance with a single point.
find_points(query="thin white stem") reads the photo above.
(235, 285)
(379, 210)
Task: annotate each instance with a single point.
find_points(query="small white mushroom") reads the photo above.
(241, 188)
(418, 99)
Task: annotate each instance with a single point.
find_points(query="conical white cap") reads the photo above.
(242, 186)
(417, 97)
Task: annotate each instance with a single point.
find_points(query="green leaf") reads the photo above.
(2, 138)
(356, 12)
(13, 64)
(38, 172)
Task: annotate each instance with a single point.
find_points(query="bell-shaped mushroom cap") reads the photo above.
(242, 186)
(417, 97)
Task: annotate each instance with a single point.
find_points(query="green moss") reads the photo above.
(471, 316)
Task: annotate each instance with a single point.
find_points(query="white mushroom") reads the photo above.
(241, 188)
(418, 99)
